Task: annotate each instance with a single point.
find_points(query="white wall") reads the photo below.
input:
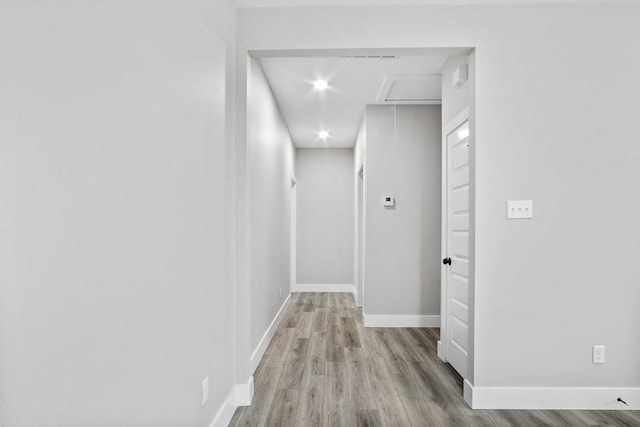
(114, 294)
(271, 166)
(325, 215)
(454, 100)
(556, 106)
(403, 160)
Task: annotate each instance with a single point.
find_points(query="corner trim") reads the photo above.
(240, 395)
(467, 392)
(574, 398)
(440, 351)
(322, 287)
(268, 335)
(400, 321)
(244, 393)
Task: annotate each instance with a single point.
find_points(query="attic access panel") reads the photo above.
(412, 90)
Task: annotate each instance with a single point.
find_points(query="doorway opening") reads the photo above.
(396, 89)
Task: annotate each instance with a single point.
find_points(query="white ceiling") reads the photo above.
(312, 3)
(354, 82)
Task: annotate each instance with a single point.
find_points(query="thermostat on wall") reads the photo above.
(388, 202)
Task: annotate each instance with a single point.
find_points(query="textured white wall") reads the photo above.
(271, 165)
(325, 215)
(402, 249)
(556, 106)
(114, 303)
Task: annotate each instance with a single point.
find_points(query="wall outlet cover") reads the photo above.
(598, 354)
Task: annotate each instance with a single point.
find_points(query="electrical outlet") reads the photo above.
(205, 390)
(598, 354)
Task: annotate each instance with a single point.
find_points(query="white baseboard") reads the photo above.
(400, 321)
(244, 393)
(240, 395)
(268, 335)
(226, 411)
(576, 398)
(319, 287)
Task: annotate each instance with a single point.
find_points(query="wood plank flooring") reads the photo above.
(323, 368)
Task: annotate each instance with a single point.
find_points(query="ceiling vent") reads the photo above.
(369, 57)
(425, 90)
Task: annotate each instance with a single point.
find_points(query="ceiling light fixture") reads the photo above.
(323, 134)
(320, 84)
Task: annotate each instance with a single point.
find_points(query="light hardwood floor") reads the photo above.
(323, 368)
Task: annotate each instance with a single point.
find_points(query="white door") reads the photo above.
(456, 257)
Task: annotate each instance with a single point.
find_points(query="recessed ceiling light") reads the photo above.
(320, 84)
(323, 134)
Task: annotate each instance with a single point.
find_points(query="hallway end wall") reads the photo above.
(325, 216)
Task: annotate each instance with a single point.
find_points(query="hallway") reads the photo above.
(324, 368)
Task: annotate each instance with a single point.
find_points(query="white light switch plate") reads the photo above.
(520, 209)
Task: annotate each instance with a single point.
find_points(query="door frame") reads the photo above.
(293, 236)
(246, 54)
(457, 121)
(360, 237)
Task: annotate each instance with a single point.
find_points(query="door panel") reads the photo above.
(460, 267)
(459, 334)
(461, 199)
(460, 154)
(459, 289)
(460, 222)
(460, 244)
(459, 311)
(460, 177)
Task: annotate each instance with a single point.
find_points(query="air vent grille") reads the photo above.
(370, 57)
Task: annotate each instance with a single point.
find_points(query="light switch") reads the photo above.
(520, 209)
(388, 201)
